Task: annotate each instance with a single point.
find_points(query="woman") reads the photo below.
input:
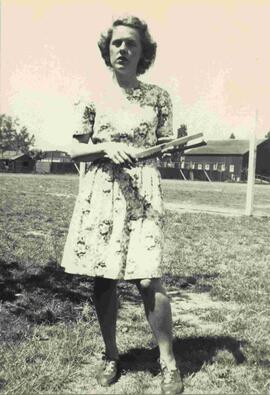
(116, 228)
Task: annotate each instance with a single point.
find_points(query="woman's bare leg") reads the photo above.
(158, 312)
(105, 300)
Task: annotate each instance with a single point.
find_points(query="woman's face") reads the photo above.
(125, 50)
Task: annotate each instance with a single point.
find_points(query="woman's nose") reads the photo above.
(123, 47)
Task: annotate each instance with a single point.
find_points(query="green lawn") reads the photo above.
(49, 333)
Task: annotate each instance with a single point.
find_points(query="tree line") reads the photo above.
(15, 137)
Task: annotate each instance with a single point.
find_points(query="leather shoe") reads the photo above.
(171, 382)
(108, 371)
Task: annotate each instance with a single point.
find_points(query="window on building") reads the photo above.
(206, 166)
(215, 166)
(199, 166)
(223, 167)
(182, 165)
(231, 168)
(192, 165)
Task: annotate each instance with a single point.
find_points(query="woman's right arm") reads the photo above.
(83, 152)
(118, 153)
(82, 148)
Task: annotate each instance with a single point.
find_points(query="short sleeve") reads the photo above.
(85, 113)
(165, 116)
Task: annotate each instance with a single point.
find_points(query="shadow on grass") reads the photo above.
(191, 353)
(31, 294)
(16, 277)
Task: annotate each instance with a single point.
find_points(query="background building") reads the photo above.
(58, 162)
(222, 160)
(16, 162)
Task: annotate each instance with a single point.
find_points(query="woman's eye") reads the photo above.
(131, 44)
(117, 43)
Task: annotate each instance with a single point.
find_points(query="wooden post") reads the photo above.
(183, 175)
(82, 173)
(251, 169)
(207, 176)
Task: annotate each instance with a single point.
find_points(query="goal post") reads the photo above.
(251, 168)
(81, 169)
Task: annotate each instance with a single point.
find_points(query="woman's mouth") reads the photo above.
(122, 59)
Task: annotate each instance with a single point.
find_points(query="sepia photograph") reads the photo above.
(134, 197)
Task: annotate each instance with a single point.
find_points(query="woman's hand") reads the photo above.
(120, 153)
(166, 153)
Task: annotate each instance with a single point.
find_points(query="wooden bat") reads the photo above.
(173, 145)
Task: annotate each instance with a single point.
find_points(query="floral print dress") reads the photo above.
(116, 227)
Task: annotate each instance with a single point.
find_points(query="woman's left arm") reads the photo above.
(164, 131)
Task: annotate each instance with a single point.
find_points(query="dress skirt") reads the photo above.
(116, 230)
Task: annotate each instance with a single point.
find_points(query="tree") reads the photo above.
(267, 136)
(232, 136)
(36, 154)
(13, 136)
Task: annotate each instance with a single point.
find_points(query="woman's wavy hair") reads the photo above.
(148, 45)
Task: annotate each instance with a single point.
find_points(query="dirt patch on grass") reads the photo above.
(200, 310)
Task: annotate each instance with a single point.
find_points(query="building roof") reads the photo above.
(12, 155)
(55, 154)
(223, 147)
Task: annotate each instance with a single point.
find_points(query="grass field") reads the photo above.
(219, 195)
(49, 333)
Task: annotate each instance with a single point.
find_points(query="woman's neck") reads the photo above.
(126, 81)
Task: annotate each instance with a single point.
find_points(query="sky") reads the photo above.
(213, 57)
